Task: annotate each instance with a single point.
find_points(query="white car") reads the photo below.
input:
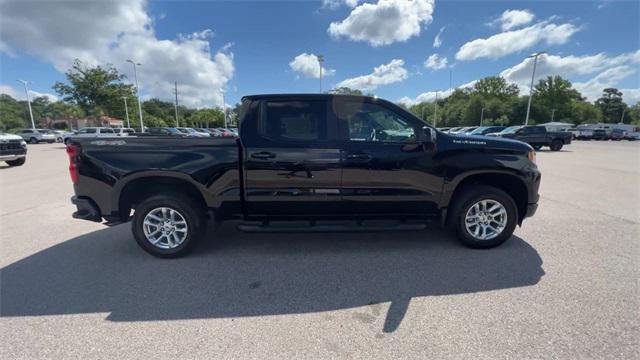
(192, 132)
(13, 149)
(93, 132)
(61, 135)
(124, 131)
(34, 136)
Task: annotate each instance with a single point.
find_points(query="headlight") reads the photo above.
(23, 143)
(532, 156)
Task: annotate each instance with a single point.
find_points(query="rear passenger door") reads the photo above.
(292, 167)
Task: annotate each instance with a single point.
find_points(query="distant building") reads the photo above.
(74, 123)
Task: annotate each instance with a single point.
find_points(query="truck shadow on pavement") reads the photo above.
(238, 274)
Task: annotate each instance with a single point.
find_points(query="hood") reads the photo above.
(486, 142)
(6, 137)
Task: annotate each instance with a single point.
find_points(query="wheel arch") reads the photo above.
(506, 181)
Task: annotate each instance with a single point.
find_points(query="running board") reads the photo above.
(266, 227)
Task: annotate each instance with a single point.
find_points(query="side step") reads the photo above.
(347, 226)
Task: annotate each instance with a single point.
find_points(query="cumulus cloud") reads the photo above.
(308, 66)
(435, 62)
(385, 22)
(59, 32)
(511, 19)
(509, 42)
(437, 41)
(567, 66)
(592, 89)
(18, 94)
(382, 75)
(334, 4)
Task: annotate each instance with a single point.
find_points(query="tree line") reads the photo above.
(98, 91)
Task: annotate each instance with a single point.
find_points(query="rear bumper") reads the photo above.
(87, 209)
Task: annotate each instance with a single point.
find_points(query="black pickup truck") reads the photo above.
(537, 136)
(330, 162)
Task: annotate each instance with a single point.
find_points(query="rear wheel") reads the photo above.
(556, 145)
(168, 226)
(484, 217)
(33, 141)
(17, 162)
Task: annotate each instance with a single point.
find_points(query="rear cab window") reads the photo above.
(294, 121)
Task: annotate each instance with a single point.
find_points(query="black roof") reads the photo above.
(303, 96)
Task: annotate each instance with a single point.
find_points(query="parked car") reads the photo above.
(92, 132)
(462, 130)
(617, 134)
(13, 149)
(61, 135)
(599, 134)
(581, 133)
(484, 130)
(453, 129)
(34, 136)
(633, 134)
(443, 129)
(161, 131)
(215, 132)
(226, 132)
(123, 131)
(538, 136)
(192, 132)
(300, 159)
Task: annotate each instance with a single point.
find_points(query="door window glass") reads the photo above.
(106, 131)
(294, 120)
(372, 122)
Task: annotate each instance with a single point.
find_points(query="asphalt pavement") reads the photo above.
(565, 286)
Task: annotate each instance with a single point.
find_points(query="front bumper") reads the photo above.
(11, 157)
(87, 209)
(531, 210)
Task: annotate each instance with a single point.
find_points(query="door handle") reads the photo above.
(263, 155)
(359, 156)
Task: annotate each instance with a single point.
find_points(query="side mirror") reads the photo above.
(428, 135)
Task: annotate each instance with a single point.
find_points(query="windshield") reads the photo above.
(510, 130)
(174, 131)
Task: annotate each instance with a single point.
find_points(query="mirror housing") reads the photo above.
(428, 135)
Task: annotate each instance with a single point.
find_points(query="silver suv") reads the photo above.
(34, 136)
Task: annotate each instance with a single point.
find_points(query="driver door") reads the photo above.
(385, 168)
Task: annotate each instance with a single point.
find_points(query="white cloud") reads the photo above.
(18, 94)
(566, 67)
(592, 89)
(59, 32)
(437, 41)
(435, 62)
(631, 96)
(385, 22)
(509, 42)
(382, 75)
(307, 65)
(511, 19)
(334, 4)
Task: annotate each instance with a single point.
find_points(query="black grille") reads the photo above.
(11, 145)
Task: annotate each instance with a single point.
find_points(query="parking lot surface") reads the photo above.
(565, 286)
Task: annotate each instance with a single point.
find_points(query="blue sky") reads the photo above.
(266, 47)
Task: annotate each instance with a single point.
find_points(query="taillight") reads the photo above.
(73, 151)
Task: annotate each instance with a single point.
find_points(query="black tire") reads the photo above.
(536, 147)
(193, 214)
(470, 197)
(556, 145)
(33, 141)
(17, 162)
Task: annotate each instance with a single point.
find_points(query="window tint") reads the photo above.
(294, 120)
(90, 131)
(372, 122)
(27, 131)
(106, 131)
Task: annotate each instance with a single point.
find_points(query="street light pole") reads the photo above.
(553, 112)
(135, 75)
(533, 75)
(175, 105)
(435, 111)
(224, 108)
(126, 111)
(481, 116)
(622, 117)
(26, 91)
(320, 61)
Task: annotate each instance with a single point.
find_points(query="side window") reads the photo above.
(372, 122)
(294, 120)
(106, 131)
(539, 130)
(525, 131)
(90, 131)
(27, 131)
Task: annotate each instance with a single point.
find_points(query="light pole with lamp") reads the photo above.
(481, 116)
(320, 61)
(126, 111)
(553, 112)
(26, 91)
(135, 75)
(533, 75)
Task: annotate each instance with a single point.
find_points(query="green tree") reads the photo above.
(207, 118)
(13, 114)
(612, 106)
(554, 94)
(96, 90)
(583, 112)
(345, 91)
(496, 86)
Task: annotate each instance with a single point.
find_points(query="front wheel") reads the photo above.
(484, 217)
(556, 145)
(168, 226)
(17, 162)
